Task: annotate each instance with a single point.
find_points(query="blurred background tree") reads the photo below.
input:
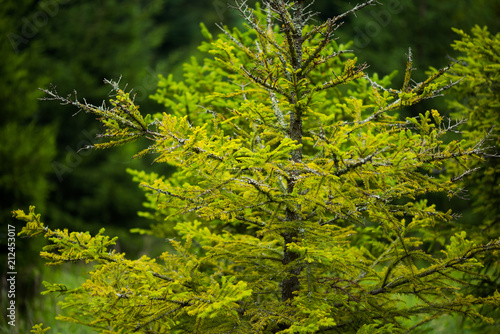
(76, 44)
(383, 34)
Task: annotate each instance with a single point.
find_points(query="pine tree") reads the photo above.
(298, 204)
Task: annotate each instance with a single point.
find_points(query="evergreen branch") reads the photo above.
(409, 68)
(418, 89)
(360, 162)
(476, 150)
(393, 92)
(381, 258)
(393, 106)
(452, 306)
(292, 33)
(350, 75)
(195, 149)
(277, 111)
(317, 29)
(452, 263)
(168, 193)
(247, 220)
(89, 108)
(163, 277)
(357, 8)
(139, 327)
(263, 82)
(250, 18)
(464, 174)
(323, 60)
(438, 92)
(421, 86)
(347, 216)
(324, 42)
(258, 186)
(124, 113)
(241, 46)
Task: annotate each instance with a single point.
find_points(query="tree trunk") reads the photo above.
(290, 284)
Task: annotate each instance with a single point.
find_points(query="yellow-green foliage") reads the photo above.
(478, 100)
(479, 65)
(296, 205)
(38, 329)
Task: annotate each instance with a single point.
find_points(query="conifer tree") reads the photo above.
(298, 201)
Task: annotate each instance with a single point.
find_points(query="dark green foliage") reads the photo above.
(23, 166)
(383, 34)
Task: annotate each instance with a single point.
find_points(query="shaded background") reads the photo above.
(76, 44)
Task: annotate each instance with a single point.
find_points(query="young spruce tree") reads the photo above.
(298, 201)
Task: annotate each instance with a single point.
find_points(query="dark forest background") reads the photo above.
(74, 45)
